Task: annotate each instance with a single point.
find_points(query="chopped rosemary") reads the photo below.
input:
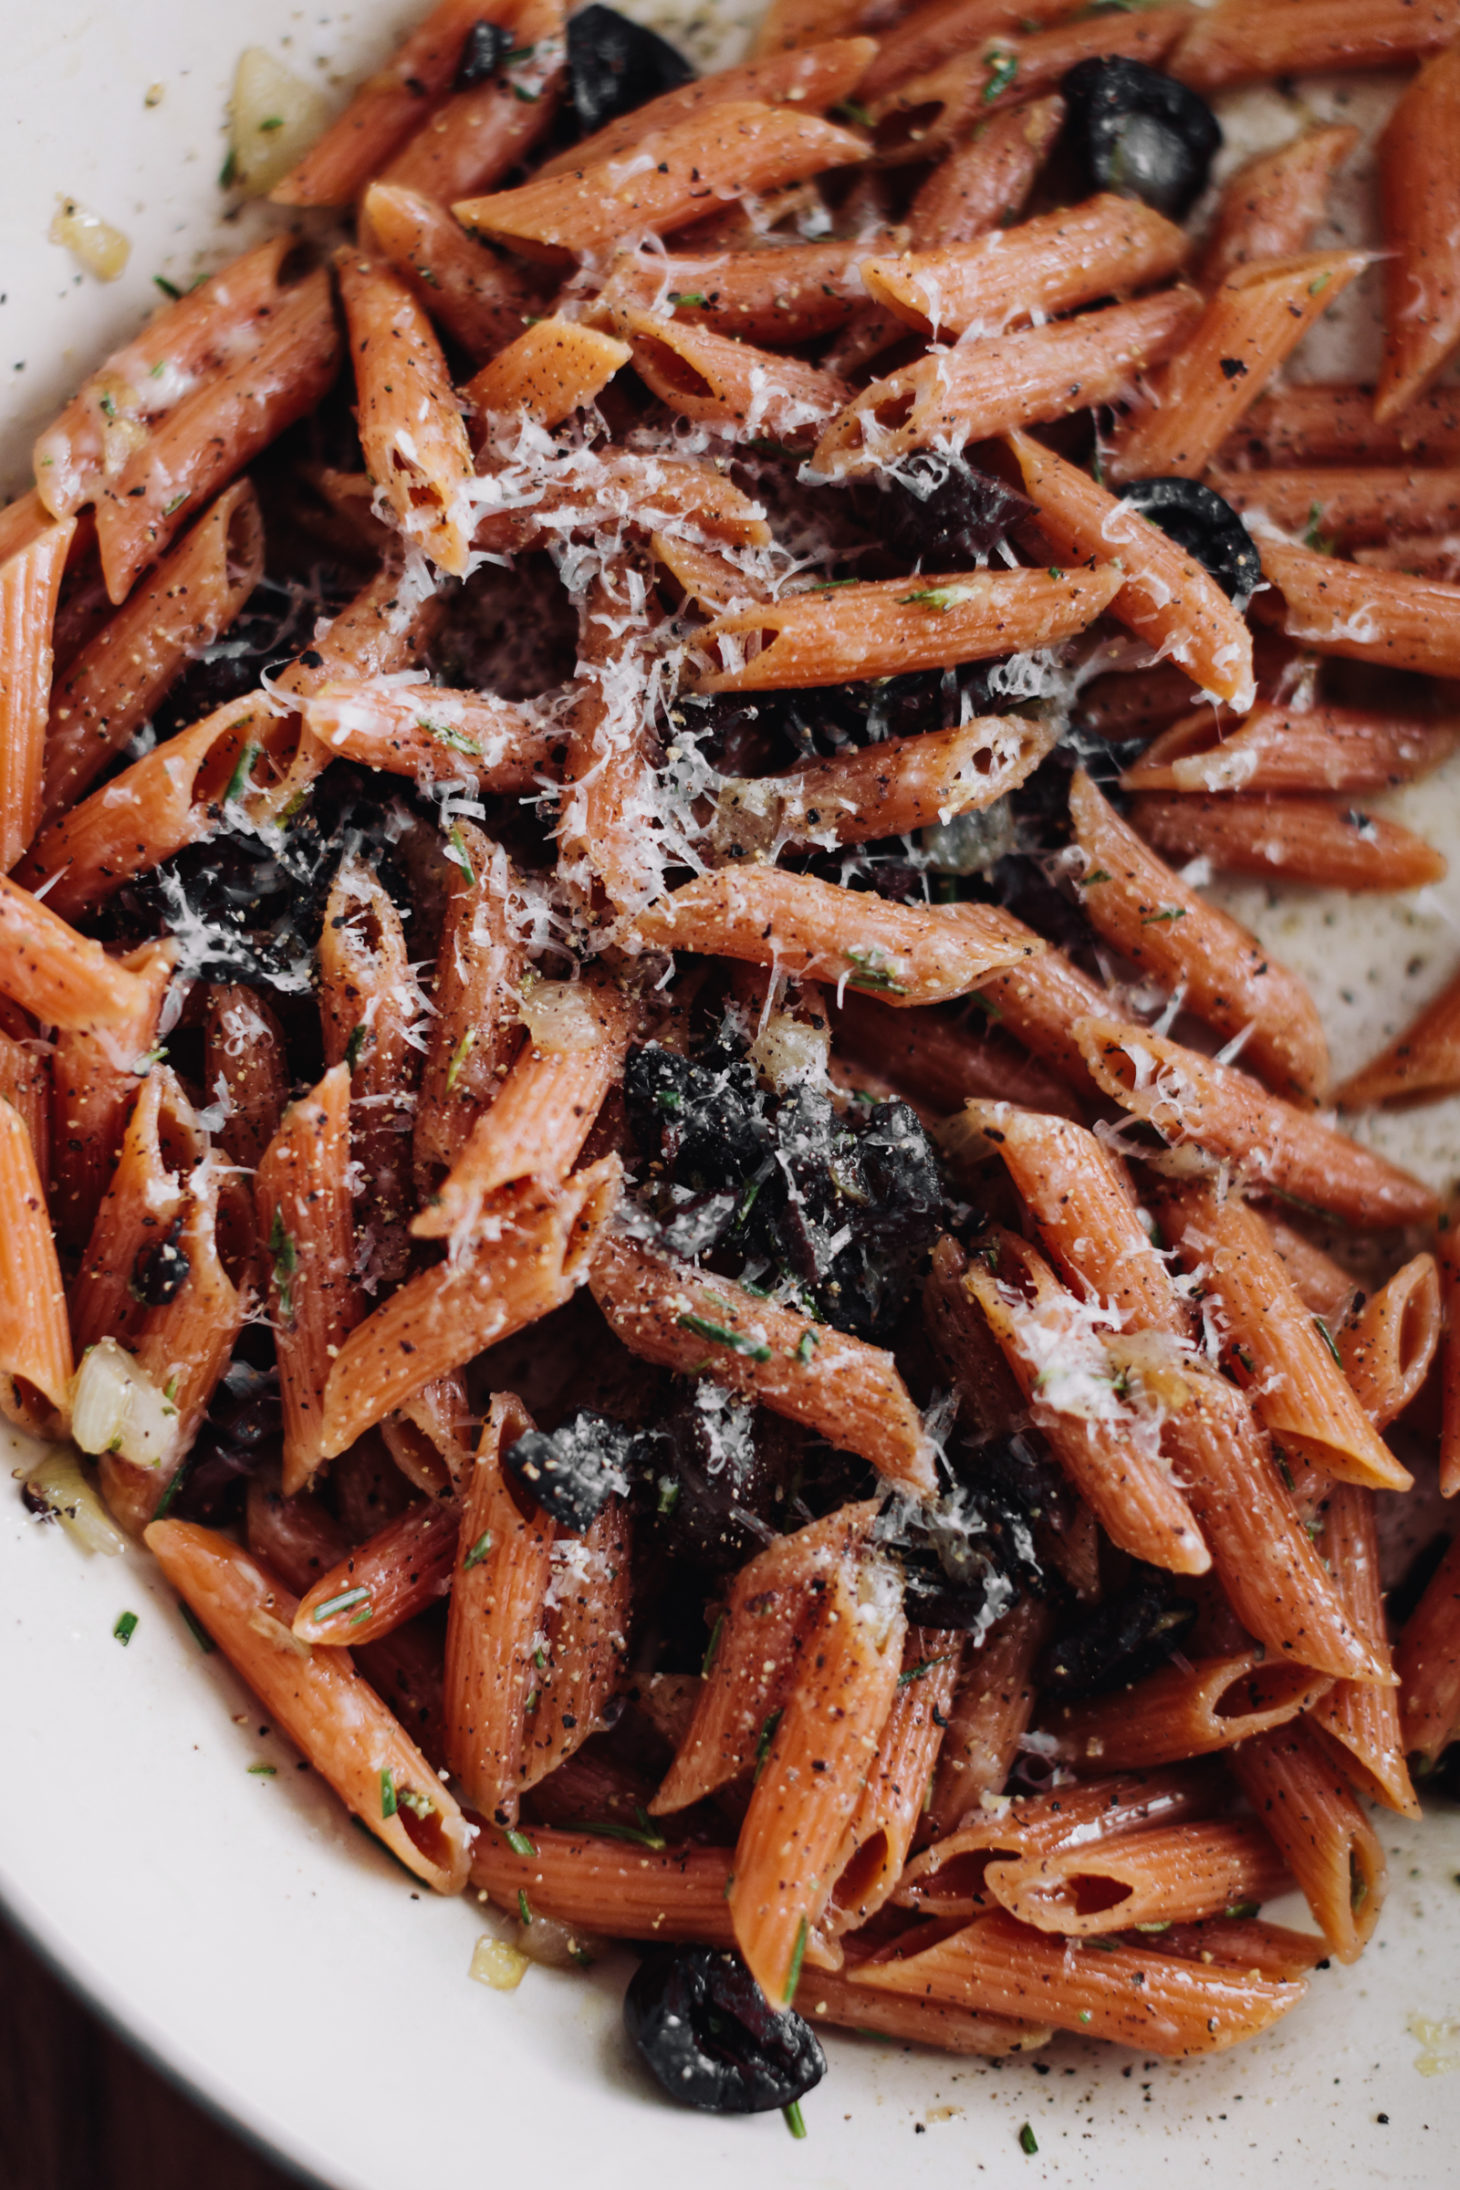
(168, 288)
(754, 1349)
(264, 1771)
(286, 1262)
(1003, 68)
(478, 1551)
(517, 1842)
(869, 975)
(445, 734)
(242, 770)
(354, 1046)
(794, 2121)
(1328, 1339)
(1028, 2142)
(1167, 912)
(695, 298)
(458, 846)
(196, 1628)
(805, 1345)
(460, 1054)
(767, 1736)
(125, 1628)
(712, 1650)
(798, 1956)
(645, 1834)
(388, 1804)
(523, 1908)
(342, 1603)
(916, 1672)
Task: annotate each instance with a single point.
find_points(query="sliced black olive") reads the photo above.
(1121, 1641)
(704, 1123)
(702, 2027)
(160, 1271)
(707, 1483)
(487, 46)
(1131, 129)
(241, 1430)
(615, 65)
(573, 1473)
(942, 513)
(1209, 529)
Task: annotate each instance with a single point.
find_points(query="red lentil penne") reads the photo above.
(94, 1079)
(30, 586)
(472, 1029)
(989, 1712)
(941, 1063)
(888, 789)
(586, 1623)
(810, 1781)
(820, 932)
(937, 31)
(1241, 41)
(385, 1582)
(553, 368)
(1333, 422)
(243, 1049)
(691, 1321)
(814, 78)
(638, 1893)
(1021, 379)
(1427, 1660)
(1328, 1843)
(890, 626)
(478, 135)
(720, 382)
(479, 299)
(1177, 1874)
(1362, 504)
(662, 181)
(1029, 272)
(304, 1219)
(429, 732)
(1255, 320)
(431, 1434)
(1297, 839)
(369, 1007)
(1364, 615)
(891, 1806)
(411, 429)
(1362, 1717)
(1192, 1099)
(1272, 204)
(1289, 749)
(196, 448)
(782, 294)
(1185, 1712)
(35, 1340)
(1167, 930)
(1155, 2003)
(320, 1702)
(824, 1998)
(389, 107)
(1420, 1064)
(1419, 174)
(1272, 1344)
(112, 687)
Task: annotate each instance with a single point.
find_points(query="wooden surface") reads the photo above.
(80, 2111)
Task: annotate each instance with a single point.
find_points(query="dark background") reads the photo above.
(80, 2111)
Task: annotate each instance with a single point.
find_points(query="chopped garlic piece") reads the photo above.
(96, 246)
(496, 1964)
(274, 117)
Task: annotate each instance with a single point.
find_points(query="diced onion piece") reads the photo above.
(116, 1407)
(559, 1016)
(557, 1946)
(96, 246)
(789, 1052)
(496, 1964)
(274, 118)
(59, 1484)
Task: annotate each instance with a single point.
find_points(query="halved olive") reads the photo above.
(1209, 529)
(1133, 130)
(615, 65)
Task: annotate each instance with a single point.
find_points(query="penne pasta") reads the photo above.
(448, 1314)
(1188, 1711)
(1177, 1874)
(93, 1081)
(1254, 320)
(891, 1806)
(662, 182)
(887, 789)
(970, 394)
(387, 109)
(1154, 2002)
(1272, 1345)
(1333, 422)
(586, 1623)
(369, 1005)
(30, 587)
(1324, 1837)
(1166, 598)
(381, 1584)
(1295, 839)
(1362, 614)
(117, 680)
(787, 293)
(700, 1325)
(810, 1782)
(1428, 1664)
(302, 1197)
(579, 1879)
(429, 733)
(814, 78)
(1241, 41)
(1168, 931)
(1272, 204)
(818, 931)
(721, 382)
(320, 1702)
(1449, 1264)
(929, 35)
(35, 1340)
(430, 1436)
(553, 368)
(1418, 1065)
(243, 1049)
(823, 1998)
(1029, 272)
(1362, 1718)
(271, 378)
(941, 1063)
(893, 625)
(479, 299)
(1335, 503)
(1291, 749)
(1195, 1100)
(63, 979)
(136, 1217)
(479, 134)
(411, 429)
(988, 1714)
(472, 1031)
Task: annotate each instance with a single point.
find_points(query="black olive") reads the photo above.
(1131, 129)
(704, 1123)
(707, 1483)
(487, 47)
(615, 65)
(702, 2027)
(241, 1430)
(969, 1555)
(1444, 1779)
(1121, 1641)
(160, 1271)
(941, 513)
(573, 1473)
(1208, 528)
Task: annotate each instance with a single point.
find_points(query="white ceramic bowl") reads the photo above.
(235, 1926)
